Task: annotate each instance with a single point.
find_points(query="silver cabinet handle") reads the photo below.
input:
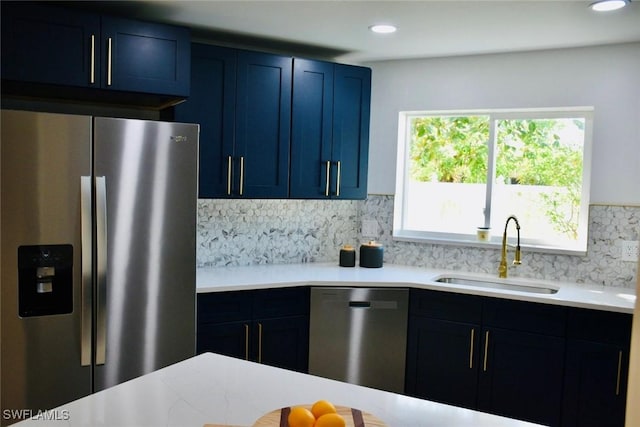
(326, 191)
(241, 175)
(101, 270)
(109, 42)
(338, 179)
(86, 271)
(93, 59)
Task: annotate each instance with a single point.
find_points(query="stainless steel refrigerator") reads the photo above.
(98, 224)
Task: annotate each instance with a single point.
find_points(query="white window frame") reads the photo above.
(400, 203)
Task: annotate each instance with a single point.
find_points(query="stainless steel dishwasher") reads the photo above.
(359, 335)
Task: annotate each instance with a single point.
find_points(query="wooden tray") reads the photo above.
(353, 418)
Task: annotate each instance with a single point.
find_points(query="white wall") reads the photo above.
(606, 77)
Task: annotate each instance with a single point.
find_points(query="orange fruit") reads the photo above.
(322, 407)
(330, 420)
(300, 417)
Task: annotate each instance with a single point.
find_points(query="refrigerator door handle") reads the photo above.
(101, 270)
(86, 272)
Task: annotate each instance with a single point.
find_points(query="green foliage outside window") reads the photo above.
(528, 152)
(450, 149)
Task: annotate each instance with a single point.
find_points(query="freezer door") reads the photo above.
(43, 159)
(146, 196)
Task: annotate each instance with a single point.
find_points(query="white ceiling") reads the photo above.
(338, 29)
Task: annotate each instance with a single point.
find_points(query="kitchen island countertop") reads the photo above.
(211, 388)
(218, 279)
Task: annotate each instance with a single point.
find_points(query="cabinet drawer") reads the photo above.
(525, 316)
(281, 302)
(600, 326)
(446, 306)
(218, 307)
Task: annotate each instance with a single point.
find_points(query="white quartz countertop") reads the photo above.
(216, 389)
(319, 274)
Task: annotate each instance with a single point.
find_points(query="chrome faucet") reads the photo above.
(502, 269)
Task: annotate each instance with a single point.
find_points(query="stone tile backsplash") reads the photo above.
(245, 232)
(609, 225)
(255, 231)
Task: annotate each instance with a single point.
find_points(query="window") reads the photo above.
(458, 171)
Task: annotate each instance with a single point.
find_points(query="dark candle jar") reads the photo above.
(371, 254)
(347, 256)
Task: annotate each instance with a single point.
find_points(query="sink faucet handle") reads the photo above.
(517, 257)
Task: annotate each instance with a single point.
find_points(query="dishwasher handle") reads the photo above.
(359, 304)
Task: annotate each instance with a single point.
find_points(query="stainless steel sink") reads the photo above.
(501, 284)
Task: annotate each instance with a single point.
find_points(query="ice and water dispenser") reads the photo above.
(45, 280)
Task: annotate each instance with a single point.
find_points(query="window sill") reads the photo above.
(495, 243)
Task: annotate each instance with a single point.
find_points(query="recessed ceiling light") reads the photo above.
(607, 5)
(383, 28)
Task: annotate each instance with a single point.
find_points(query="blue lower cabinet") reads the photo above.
(264, 326)
(442, 361)
(548, 364)
(487, 354)
(230, 339)
(596, 368)
(282, 342)
(521, 375)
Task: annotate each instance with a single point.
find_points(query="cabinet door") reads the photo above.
(212, 105)
(595, 384)
(311, 124)
(145, 57)
(596, 368)
(282, 342)
(50, 45)
(350, 150)
(224, 323)
(521, 375)
(263, 121)
(442, 361)
(231, 339)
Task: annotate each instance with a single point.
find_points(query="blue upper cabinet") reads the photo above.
(145, 57)
(263, 124)
(212, 104)
(63, 47)
(49, 45)
(311, 129)
(242, 101)
(351, 111)
(330, 130)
